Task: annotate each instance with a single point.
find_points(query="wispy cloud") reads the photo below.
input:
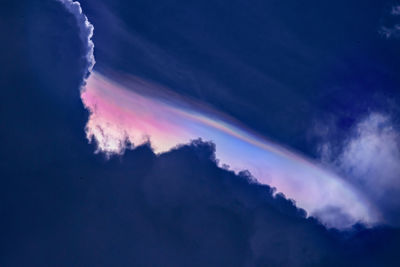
(396, 10)
(392, 31)
(370, 159)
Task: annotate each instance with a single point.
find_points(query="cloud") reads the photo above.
(370, 158)
(62, 205)
(391, 32)
(85, 33)
(139, 111)
(141, 119)
(394, 30)
(396, 10)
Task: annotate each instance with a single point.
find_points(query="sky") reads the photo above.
(181, 133)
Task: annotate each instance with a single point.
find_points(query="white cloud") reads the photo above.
(85, 33)
(392, 31)
(370, 159)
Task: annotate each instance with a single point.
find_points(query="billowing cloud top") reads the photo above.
(85, 33)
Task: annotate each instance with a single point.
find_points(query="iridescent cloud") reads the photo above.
(138, 111)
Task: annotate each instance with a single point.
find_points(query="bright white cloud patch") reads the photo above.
(370, 159)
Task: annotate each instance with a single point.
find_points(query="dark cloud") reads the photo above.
(63, 205)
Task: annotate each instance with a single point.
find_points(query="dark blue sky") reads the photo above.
(283, 69)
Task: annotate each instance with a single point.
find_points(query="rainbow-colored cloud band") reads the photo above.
(133, 110)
